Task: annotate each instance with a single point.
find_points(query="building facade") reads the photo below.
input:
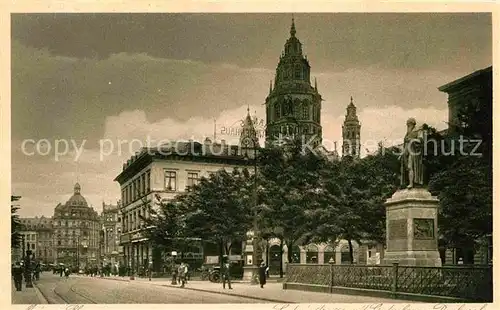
(111, 231)
(293, 106)
(166, 171)
(351, 133)
(37, 236)
(76, 228)
(475, 89)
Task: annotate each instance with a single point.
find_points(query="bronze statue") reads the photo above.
(412, 172)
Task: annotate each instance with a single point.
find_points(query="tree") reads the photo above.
(351, 203)
(288, 178)
(219, 209)
(164, 226)
(15, 223)
(465, 198)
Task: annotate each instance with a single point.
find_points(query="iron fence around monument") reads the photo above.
(474, 283)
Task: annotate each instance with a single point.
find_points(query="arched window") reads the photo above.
(312, 254)
(345, 256)
(305, 111)
(298, 72)
(295, 254)
(328, 254)
(274, 259)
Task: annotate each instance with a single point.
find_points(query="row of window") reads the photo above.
(132, 220)
(140, 186)
(69, 233)
(85, 224)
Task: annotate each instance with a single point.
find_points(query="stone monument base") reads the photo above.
(251, 274)
(411, 226)
(413, 258)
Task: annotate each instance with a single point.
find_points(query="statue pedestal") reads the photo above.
(411, 228)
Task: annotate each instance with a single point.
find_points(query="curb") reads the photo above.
(39, 294)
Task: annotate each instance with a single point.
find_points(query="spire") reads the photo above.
(315, 84)
(270, 86)
(248, 109)
(292, 29)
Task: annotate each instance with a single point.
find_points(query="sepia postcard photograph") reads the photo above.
(252, 158)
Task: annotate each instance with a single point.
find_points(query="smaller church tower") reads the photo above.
(351, 131)
(248, 137)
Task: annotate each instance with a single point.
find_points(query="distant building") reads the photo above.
(111, 231)
(37, 236)
(76, 232)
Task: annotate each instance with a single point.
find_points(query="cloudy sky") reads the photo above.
(90, 79)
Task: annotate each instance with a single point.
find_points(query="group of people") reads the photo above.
(62, 270)
(180, 274)
(20, 272)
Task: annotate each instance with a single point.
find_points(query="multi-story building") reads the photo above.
(76, 232)
(475, 89)
(37, 237)
(111, 231)
(166, 171)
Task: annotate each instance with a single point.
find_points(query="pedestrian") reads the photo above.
(226, 276)
(174, 269)
(262, 274)
(460, 261)
(181, 273)
(66, 272)
(17, 273)
(61, 270)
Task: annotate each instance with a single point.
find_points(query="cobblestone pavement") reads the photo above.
(272, 292)
(86, 290)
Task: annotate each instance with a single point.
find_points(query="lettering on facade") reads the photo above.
(423, 229)
(398, 229)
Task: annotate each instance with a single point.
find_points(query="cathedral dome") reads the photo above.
(77, 200)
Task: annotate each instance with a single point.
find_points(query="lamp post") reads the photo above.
(27, 270)
(174, 280)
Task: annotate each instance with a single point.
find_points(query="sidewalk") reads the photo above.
(272, 292)
(28, 296)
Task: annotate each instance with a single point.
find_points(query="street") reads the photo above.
(86, 290)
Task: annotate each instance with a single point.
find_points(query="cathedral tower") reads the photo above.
(351, 130)
(293, 106)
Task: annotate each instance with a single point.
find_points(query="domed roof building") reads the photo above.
(76, 231)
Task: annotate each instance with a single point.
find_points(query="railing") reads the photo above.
(473, 283)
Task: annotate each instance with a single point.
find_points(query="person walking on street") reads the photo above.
(225, 273)
(181, 273)
(262, 274)
(17, 273)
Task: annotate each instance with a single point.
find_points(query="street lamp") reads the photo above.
(27, 269)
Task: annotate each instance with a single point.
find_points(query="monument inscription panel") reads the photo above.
(398, 229)
(423, 229)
